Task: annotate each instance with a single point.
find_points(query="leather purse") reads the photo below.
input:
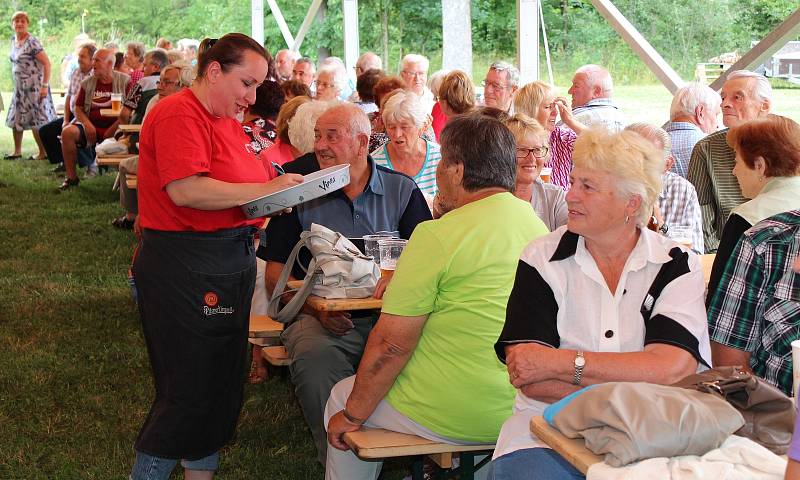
(768, 413)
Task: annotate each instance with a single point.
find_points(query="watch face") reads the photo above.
(580, 361)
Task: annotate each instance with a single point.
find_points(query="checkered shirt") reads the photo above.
(756, 308)
(680, 208)
(683, 136)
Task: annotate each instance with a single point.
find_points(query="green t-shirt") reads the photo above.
(459, 270)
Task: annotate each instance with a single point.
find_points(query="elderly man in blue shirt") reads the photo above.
(692, 115)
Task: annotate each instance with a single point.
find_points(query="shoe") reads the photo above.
(60, 168)
(69, 182)
(31, 157)
(92, 171)
(123, 222)
(12, 157)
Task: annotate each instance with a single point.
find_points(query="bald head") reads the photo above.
(103, 63)
(342, 136)
(284, 63)
(590, 82)
(368, 61)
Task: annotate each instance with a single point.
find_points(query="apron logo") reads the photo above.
(211, 299)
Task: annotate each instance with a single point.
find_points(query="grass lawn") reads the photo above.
(75, 382)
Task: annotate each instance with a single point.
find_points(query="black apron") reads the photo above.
(194, 293)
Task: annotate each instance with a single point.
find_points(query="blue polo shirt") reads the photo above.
(391, 201)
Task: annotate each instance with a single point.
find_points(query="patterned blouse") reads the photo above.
(562, 142)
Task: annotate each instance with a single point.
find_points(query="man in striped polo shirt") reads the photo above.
(745, 96)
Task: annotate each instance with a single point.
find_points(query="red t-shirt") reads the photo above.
(439, 120)
(181, 138)
(100, 99)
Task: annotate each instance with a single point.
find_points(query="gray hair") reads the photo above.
(597, 75)
(301, 126)
(138, 49)
(292, 54)
(369, 60)
(654, 134)
(415, 58)
(357, 121)
(404, 105)
(691, 96)
(339, 75)
(185, 72)
(512, 74)
(762, 90)
(157, 56)
(435, 81)
(308, 61)
(485, 147)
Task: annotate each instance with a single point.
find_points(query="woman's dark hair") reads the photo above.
(295, 88)
(269, 99)
(386, 85)
(366, 83)
(228, 51)
(119, 58)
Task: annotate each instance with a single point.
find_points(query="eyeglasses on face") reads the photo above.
(493, 85)
(167, 83)
(414, 74)
(538, 152)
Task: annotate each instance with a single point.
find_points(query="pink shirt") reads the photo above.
(279, 153)
(562, 142)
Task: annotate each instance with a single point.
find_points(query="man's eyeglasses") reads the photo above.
(414, 74)
(493, 85)
(539, 152)
(167, 83)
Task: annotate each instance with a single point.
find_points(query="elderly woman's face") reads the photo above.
(20, 24)
(751, 180)
(530, 158)
(326, 87)
(546, 114)
(594, 206)
(403, 134)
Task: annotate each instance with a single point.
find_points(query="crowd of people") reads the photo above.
(516, 289)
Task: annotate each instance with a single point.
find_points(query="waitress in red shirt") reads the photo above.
(195, 270)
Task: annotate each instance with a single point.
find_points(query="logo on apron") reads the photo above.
(211, 299)
(210, 308)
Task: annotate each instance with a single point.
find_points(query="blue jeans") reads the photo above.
(148, 467)
(532, 464)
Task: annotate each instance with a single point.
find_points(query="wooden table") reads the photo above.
(107, 112)
(130, 181)
(112, 160)
(707, 261)
(130, 128)
(377, 443)
(572, 449)
(262, 326)
(338, 304)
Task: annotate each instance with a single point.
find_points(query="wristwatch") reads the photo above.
(579, 362)
(663, 229)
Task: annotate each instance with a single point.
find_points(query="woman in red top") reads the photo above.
(195, 270)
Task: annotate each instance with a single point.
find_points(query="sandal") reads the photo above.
(69, 182)
(123, 222)
(258, 375)
(12, 157)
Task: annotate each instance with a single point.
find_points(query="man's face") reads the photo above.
(169, 83)
(739, 103)
(302, 72)
(334, 144)
(84, 60)
(284, 64)
(415, 77)
(131, 59)
(580, 90)
(497, 92)
(149, 67)
(709, 122)
(103, 63)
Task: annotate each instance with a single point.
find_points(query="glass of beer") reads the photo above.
(390, 250)
(116, 102)
(371, 244)
(545, 174)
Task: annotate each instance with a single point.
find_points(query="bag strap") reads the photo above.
(290, 310)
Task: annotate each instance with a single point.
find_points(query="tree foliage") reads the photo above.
(683, 31)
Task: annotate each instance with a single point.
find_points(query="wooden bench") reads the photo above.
(130, 128)
(377, 443)
(113, 160)
(262, 326)
(276, 356)
(130, 181)
(572, 449)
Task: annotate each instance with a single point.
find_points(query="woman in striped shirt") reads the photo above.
(538, 101)
(405, 119)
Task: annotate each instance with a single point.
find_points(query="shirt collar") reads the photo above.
(649, 248)
(673, 126)
(375, 181)
(599, 102)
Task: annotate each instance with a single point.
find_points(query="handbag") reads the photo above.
(768, 413)
(338, 269)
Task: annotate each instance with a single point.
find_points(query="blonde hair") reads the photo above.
(301, 125)
(456, 89)
(529, 98)
(634, 163)
(285, 114)
(522, 125)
